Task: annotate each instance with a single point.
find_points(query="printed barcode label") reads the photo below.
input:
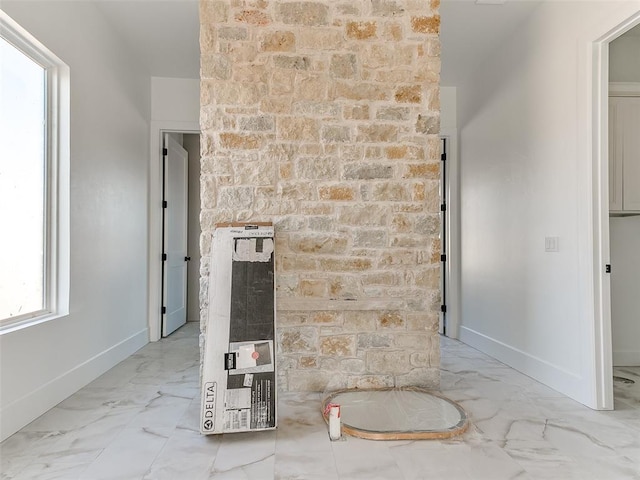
(244, 419)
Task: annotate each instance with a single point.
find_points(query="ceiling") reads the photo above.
(164, 33)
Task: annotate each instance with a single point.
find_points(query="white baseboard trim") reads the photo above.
(626, 358)
(23, 411)
(553, 376)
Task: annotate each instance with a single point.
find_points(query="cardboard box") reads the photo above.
(239, 366)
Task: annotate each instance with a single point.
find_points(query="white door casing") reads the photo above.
(175, 236)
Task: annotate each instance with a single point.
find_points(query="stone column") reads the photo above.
(323, 117)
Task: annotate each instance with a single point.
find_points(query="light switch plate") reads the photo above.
(551, 244)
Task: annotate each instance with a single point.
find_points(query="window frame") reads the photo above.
(56, 178)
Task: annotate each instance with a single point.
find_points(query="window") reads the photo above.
(34, 180)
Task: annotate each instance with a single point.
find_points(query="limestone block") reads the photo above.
(286, 285)
(238, 141)
(382, 278)
(345, 265)
(428, 224)
(361, 30)
(399, 114)
(429, 171)
(370, 238)
(353, 366)
(216, 66)
(320, 38)
(344, 287)
(317, 168)
(297, 128)
(338, 346)
(356, 112)
(318, 243)
(356, 321)
(321, 223)
(253, 17)
(429, 124)
(343, 65)
(386, 8)
(291, 223)
(308, 362)
(279, 41)
(348, 9)
(250, 73)
(392, 362)
(364, 215)
(237, 93)
(310, 86)
(371, 171)
(315, 108)
(391, 320)
(254, 173)
(212, 12)
(298, 339)
(374, 340)
(392, 31)
(232, 33)
(428, 25)
(339, 193)
(377, 133)
(409, 94)
(371, 381)
(280, 105)
(361, 91)
(262, 123)
(313, 288)
(296, 62)
(208, 192)
(413, 341)
(296, 191)
(235, 197)
(390, 192)
(303, 13)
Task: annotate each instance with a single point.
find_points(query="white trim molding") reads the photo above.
(624, 89)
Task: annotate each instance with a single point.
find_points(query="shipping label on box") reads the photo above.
(239, 367)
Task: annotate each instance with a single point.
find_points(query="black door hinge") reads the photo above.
(164, 204)
(443, 157)
(164, 310)
(443, 308)
(443, 207)
(443, 258)
(164, 257)
(607, 268)
(165, 152)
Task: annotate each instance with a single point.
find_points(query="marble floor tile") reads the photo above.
(140, 421)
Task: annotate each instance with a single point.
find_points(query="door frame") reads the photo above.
(600, 291)
(155, 233)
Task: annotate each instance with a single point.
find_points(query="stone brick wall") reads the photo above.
(323, 117)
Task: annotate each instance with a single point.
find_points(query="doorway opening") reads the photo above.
(606, 189)
(180, 205)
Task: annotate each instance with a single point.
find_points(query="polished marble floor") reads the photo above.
(140, 421)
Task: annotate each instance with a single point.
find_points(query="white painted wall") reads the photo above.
(110, 103)
(526, 153)
(175, 107)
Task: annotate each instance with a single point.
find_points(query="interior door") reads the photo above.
(444, 278)
(175, 258)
